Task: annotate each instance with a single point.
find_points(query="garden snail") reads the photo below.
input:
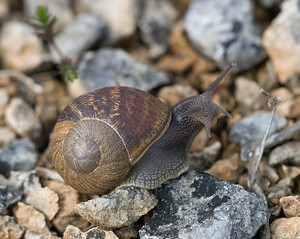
(123, 136)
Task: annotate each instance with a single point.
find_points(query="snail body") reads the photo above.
(121, 136)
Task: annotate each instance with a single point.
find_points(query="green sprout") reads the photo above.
(43, 25)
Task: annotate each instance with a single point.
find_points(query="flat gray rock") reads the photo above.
(254, 127)
(225, 31)
(84, 31)
(198, 205)
(109, 67)
(21, 156)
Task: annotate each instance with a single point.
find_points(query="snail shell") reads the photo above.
(102, 134)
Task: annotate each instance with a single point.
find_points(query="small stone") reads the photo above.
(226, 169)
(269, 172)
(8, 195)
(30, 218)
(74, 232)
(25, 53)
(198, 205)
(120, 16)
(155, 23)
(61, 9)
(254, 127)
(21, 118)
(127, 232)
(9, 228)
(270, 3)
(20, 156)
(289, 108)
(286, 182)
(283, 92)
(282, 43)
(204, 159)
(4, 97)
(108, 67)
(7, 137)
(4, 9)
(34, 235)
(286, 153)
(248, 96)
(68, 199)
(289, 171)
(275, 193)
(175, 93)
(285, 228)
(233, 36)
(199, 142)
(118, 209)
(291, 206)
(80, 35)
(41, 198)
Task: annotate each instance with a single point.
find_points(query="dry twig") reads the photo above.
(254, 183)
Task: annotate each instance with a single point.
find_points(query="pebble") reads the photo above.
(248, 96)
(198, 205)
(289, 171)
(26, 53)
(82, 33)
(118, 209)
(226, 169)
(8, 195)
(20, 156)
(205, 159)
(4, 97)
(68, 199)
(282, 43)
(120, 16)
(7, 137)
(289, 108)
(291, 205)
(108, 67)
(254, 127)
(30, 218)
(61, 9)
(4, 9)
(286, 153)
(41, 198)
(74, 232)
(20, 117)
(171, 95)
(10, 229)
(285, 228)
(155, 24)
(222, 37)
(274, 193)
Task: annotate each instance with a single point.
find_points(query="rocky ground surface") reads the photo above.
(172, 49)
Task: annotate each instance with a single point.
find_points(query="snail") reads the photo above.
(120, 136)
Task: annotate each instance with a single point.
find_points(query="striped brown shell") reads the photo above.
(103, 133)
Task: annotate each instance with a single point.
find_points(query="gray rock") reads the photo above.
(155, 25)
(80, 35)
(254, 127)
(201, 206)
(118, 209)
(8, 195)
(108, 67)
(225, 31)
(275, 193)
(21, 156)
(288, 152)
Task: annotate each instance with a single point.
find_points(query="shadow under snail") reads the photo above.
(120, 136)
